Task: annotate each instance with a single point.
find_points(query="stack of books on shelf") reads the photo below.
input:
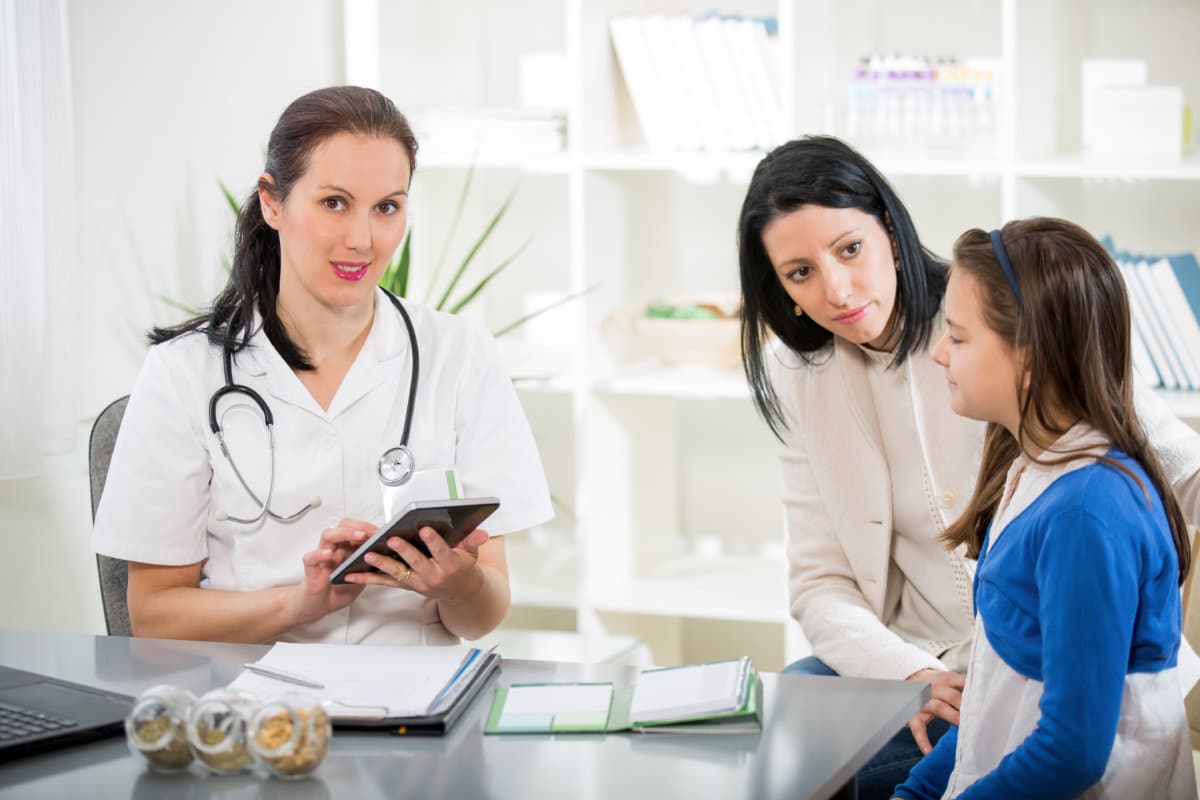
(1164, 300)
(523, 131)
(702, 82)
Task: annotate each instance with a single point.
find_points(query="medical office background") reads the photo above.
(624, 134)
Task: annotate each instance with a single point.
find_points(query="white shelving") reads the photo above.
(535, 163)
(1086, 167)
(654, 466)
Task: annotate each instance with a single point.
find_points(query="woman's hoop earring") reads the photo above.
(797, 310)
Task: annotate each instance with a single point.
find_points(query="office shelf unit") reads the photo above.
(670, 526)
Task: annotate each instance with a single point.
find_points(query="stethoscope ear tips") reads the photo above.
(314, 503)
(220, 516)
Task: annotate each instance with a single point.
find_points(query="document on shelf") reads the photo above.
(721, 697)
(371, 681)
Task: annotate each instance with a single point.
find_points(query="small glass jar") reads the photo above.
(157, 727)
(218, 730)
(290, 734)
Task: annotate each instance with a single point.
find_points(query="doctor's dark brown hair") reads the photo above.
(254, 278)
(823, 171)
(1072, 327)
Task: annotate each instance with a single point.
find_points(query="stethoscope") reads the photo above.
(396, 465)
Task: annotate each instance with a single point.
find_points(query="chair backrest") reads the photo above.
(114, 573)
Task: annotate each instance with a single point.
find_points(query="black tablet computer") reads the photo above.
(453, 519)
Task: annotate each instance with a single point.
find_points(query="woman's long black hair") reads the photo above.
(254, 278)
(823, 171)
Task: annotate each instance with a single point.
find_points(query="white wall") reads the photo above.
(169, 98)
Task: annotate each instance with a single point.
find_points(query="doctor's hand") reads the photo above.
(451, 573)
(315, 596)
(944, 702)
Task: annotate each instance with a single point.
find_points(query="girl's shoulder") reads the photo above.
(1110, 494)
(1107, 482)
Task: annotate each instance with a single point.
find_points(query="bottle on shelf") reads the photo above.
(913, 103)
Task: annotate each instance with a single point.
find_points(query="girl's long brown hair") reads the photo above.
(1073, 329)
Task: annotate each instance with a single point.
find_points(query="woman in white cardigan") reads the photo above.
(875, 463)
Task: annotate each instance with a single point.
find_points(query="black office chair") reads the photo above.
(114, 572)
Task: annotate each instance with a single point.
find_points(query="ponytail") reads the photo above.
(253, 286)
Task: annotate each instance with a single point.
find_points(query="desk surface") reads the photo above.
(817, 733)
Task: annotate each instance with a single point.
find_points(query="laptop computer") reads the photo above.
(40, 713)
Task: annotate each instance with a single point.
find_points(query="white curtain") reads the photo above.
(39, 304)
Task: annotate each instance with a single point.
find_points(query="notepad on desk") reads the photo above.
(721, 697)
(407, 689)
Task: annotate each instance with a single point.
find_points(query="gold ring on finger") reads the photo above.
(404, 577)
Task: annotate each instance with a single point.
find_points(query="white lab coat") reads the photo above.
(168, 479)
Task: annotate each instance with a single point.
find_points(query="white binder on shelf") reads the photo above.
(1182, 326)
(680, 115)
(720, 72)
(633, 57)
(1143, 315)
(700, 91)
(1165, 327)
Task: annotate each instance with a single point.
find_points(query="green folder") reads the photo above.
(684, 700)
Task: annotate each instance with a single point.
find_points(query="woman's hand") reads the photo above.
(448, 573)
(944, 702)
(314, 597)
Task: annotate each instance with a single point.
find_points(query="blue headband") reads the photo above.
(1006, 266)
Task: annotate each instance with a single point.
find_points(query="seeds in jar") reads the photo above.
(234, 757)
(308, 751)
(175, 754)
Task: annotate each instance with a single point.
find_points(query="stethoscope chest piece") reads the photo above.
(396, 466)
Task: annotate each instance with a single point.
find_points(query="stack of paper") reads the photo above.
(420, 689)
(1164, 303)
(722, 697)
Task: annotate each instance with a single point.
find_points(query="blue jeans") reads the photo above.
(890, 765)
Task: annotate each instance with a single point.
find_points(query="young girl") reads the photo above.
(1072, 686)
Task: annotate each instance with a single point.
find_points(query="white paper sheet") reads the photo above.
(362, 680)
(568, 698)
(691, 691)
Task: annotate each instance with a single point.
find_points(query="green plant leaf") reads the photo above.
(462, 202)
(538, 312)
(483, 237)
(395, 277)
(487, 278)
(230, 199)
(557, 502)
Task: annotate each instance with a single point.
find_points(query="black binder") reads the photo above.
(433, 724)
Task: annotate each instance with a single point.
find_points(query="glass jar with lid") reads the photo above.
(218, 730)
(156, 727)
(290, 734)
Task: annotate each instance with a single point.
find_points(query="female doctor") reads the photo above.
(260, 437)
